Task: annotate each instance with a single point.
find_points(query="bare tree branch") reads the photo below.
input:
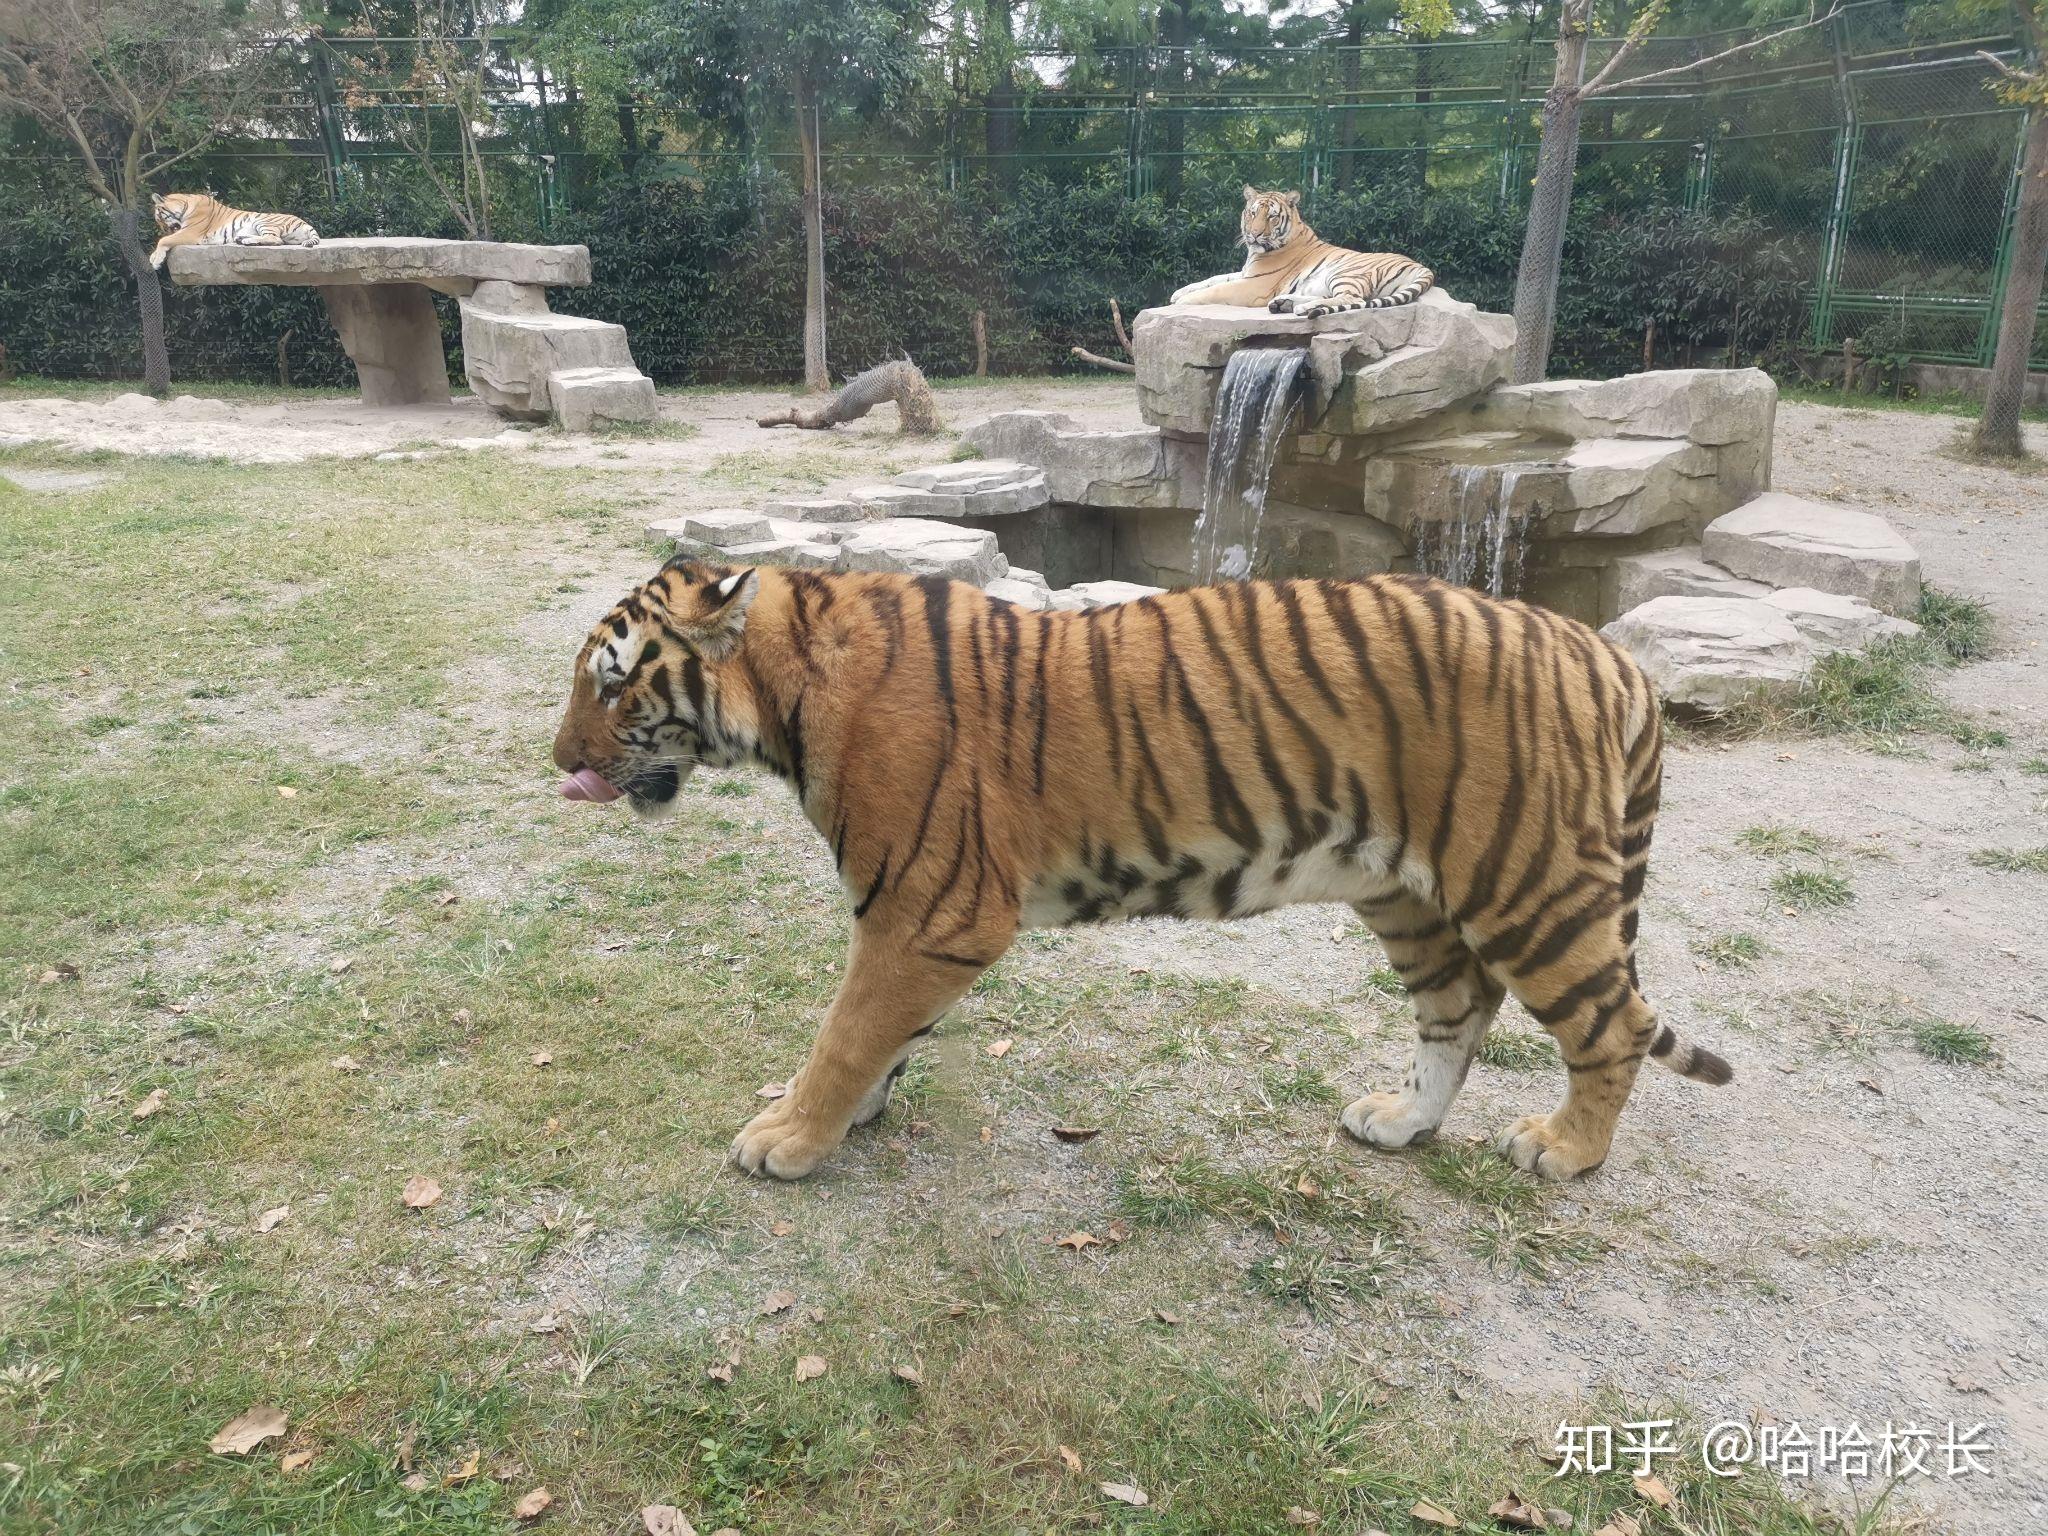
(1598, 85)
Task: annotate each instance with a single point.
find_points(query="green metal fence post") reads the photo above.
(330, 131)
(2001, 268)
(1837, 236)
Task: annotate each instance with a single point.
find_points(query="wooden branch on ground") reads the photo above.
(916, 412)
(1123, 339)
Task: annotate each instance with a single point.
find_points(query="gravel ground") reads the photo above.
(1851, 1231)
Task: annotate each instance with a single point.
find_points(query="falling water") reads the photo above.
(1482, 543)
(1259, 394)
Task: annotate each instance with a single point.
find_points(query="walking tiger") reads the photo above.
(1289, 270)
(193, 218)
(1476, 778)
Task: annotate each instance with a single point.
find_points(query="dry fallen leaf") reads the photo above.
(720, 1373)
(1071, 1457)
(1620, 1523)
(1308, 1188)
(241, 1435)
(910, 1374)
(457, 1476)
(273, 1218)
(771, 1090)
(295, 1461)
(63, 970)
(417, 1483)
(543, 1058)
(421, 1192)
(446, 899)
(547, 1322)
(1652, 1488)
(777, 1301)
(286, 792)
(998, 1048)
(1518, 1513)
(1077, 1241)
(810, 1367)
(1166, 1316)
(1118, 1230)
(1434, 1514)
(1124, 1493)
(533, 1505)
(402, 1458)
(1304, 1518)
(346, 1064)
(339, 964)
(1077, 1133)
(150, 1104)
(988, 1134)
(1963, 1382)
(781, 1227)
(666, 1520)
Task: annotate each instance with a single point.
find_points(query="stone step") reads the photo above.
(589, 397)
(920, 547)
(1788, 541)
(1084, 595)
(1711, 653)
(1680, 572)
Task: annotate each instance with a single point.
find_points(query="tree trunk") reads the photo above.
(815, 375)
(1543, 243)
(156, 358)
(999, 121)
(1998, 432)
(629, 135)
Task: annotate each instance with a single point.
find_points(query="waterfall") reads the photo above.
(1482, 543)
(1259, 395)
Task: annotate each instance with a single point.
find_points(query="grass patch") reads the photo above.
(2035, 767)
(1952, 1044)
(1386, 981)
(1776, 841)
(2012, 861)
(1730, 951)
(1323, 1276)
(1516, 1050)
(1811, 890)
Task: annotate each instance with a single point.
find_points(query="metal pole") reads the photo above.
(1836, 242)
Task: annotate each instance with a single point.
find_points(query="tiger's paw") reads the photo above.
(1388, 1121)
(1534, 1147)
(1281, 304)
(782, 1144)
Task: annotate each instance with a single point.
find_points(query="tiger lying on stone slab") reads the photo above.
(1477, 778)
(1291, 271)
(193, 218)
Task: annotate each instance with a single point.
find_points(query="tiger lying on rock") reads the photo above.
(193, 218)
(1477, 778)
(1291, 271)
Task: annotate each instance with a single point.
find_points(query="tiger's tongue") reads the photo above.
(589, 784)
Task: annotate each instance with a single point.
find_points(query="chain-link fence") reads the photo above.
(1868, 151)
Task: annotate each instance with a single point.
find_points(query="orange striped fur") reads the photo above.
(1291, 270)
(193, 218)
(1477, 778)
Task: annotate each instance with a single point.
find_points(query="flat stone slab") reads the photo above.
(1084, 595)
(984, 487)
(1114, 470)
(58, 481)
(1677, 573)
(1712, 406)
(584, 398)
(794, 554)
(718, 527)
(922, 547)
(1713, 652)
(383, 259)
(813, 509)
(1831, 622)
(1022, 593)
(1788, 541)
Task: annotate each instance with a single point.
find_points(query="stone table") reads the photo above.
(523, 360)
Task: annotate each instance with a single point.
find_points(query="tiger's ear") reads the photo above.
(1293, 199)
(726, 602)
(1250, 191)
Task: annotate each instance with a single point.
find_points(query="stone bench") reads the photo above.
(521, 359)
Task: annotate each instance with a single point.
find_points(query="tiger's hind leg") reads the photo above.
(1588, 1001)
(1455, 1002)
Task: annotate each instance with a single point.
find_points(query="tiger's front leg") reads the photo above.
(899, 980)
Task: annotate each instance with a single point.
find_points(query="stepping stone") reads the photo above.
(794, 554)
(1677, 573)
(813, 509)
(1712, 652)
(977, 488)
(1022, 593)
(919, 547)
(1831, 622)
(588, 397)
(720, 528)
(1788, 541)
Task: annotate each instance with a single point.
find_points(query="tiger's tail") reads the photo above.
(1645, 778)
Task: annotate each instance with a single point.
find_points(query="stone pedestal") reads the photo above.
(393, 336)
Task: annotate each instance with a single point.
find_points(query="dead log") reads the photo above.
(917, 414)
(981, 344)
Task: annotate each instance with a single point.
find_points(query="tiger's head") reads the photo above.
(1271, 219)
(178, 209)
(655, 691)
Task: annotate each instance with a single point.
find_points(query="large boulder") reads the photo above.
(514, 349)
(1139, 467)
(1713, 652)
(1712, 406)
(1371, 369)
(1788, 541)
(923, 547)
